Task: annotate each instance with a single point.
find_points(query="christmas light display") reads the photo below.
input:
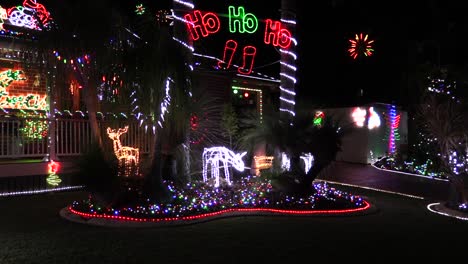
(59, 189)
(260, 98)
(318, 118)
(359, 116)
(276, 34)
(9, 76)
(262, 163)
(140, 9)
(194, 202)
(35, 126)
(128, 157)
(202, 24)
(25, 101)
(229, 49)
(240, 21)
(374, 119)
(19, 101)
(185, 3)
(31, 15)
(165, 102)
(214, 155)
(431, 207)
(3, 16)
(308, 159)
(360, 45)
(53, 179)
(285, 162)
(393, 121)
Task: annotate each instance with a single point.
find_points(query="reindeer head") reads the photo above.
(114, 134)
(237, 161)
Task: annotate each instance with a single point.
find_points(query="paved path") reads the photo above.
(368, 176)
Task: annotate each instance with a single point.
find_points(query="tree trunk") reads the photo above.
(91, 102)
(155, 188)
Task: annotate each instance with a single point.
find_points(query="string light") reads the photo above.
(240, 21)
(184, 44)
(434, 205)
(214, 155)
(198, 201)
(185, 3)
(308, 159)
(289, 53)
(288, 77)
(288, 111)
(67, 188)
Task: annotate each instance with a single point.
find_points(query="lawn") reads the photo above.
(31, 231)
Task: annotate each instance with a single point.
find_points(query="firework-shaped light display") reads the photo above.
(360, 45)
(140, 9)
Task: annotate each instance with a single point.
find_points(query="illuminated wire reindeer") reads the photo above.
(213, 156)
(128, 157)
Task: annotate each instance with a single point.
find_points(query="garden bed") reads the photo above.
(197, 202)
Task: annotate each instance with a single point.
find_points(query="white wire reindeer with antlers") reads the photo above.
(213, 156)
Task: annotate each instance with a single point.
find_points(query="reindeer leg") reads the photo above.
(226, 172)
(205, 167)
(215, 172)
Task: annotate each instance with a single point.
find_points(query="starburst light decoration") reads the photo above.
(360, 45)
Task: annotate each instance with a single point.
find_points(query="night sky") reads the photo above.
(406, 34)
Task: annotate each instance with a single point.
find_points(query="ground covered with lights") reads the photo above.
(197, 201)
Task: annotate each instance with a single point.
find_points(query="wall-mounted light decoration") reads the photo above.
(374, 119)
(213, 156)
(128, 157)
(240, 21)
(359, 116)
(52, 178)
(318, 118)
(31, 14)
(393, 124)
(9, 76)
(34, 126)
(277, 35)
(262, 163)
(202, 24)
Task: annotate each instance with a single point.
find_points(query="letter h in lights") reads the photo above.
(202, 24)
(276, 34)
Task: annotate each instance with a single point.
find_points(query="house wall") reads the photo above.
(364, 145)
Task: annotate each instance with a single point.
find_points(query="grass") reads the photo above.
(31, 231)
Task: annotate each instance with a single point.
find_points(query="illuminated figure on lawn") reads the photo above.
(128, 157)
(213, 156)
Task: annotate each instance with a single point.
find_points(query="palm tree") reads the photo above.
(444, 120)
(163, 64)
(301, 137)
(73, 37)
